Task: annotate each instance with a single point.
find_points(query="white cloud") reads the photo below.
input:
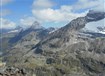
(42, 10)
(58, 15)
(90, 4)
(6, 24)
(27, 21)
(4, 2)
(100, 6)
(40, 4)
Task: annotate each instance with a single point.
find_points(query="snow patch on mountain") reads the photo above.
(13, 31)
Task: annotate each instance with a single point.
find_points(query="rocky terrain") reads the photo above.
(64, 52)
(6, 35)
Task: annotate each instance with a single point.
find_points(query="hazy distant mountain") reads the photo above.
(31, 35)
(64, 52)
(34, 29)
(6, 35)
(4, 30)
(15, 30)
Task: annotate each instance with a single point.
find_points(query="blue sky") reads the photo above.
(50, 13)
(20, 8)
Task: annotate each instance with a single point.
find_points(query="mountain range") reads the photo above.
(67, 51)
(35, 32)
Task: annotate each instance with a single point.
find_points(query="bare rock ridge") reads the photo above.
(79, 23)
(68, 32)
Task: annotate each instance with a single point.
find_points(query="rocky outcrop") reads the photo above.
(12, 71)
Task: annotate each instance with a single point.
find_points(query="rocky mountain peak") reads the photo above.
(18, 27)
(36, 25)
(81, 22)
(95, 15)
